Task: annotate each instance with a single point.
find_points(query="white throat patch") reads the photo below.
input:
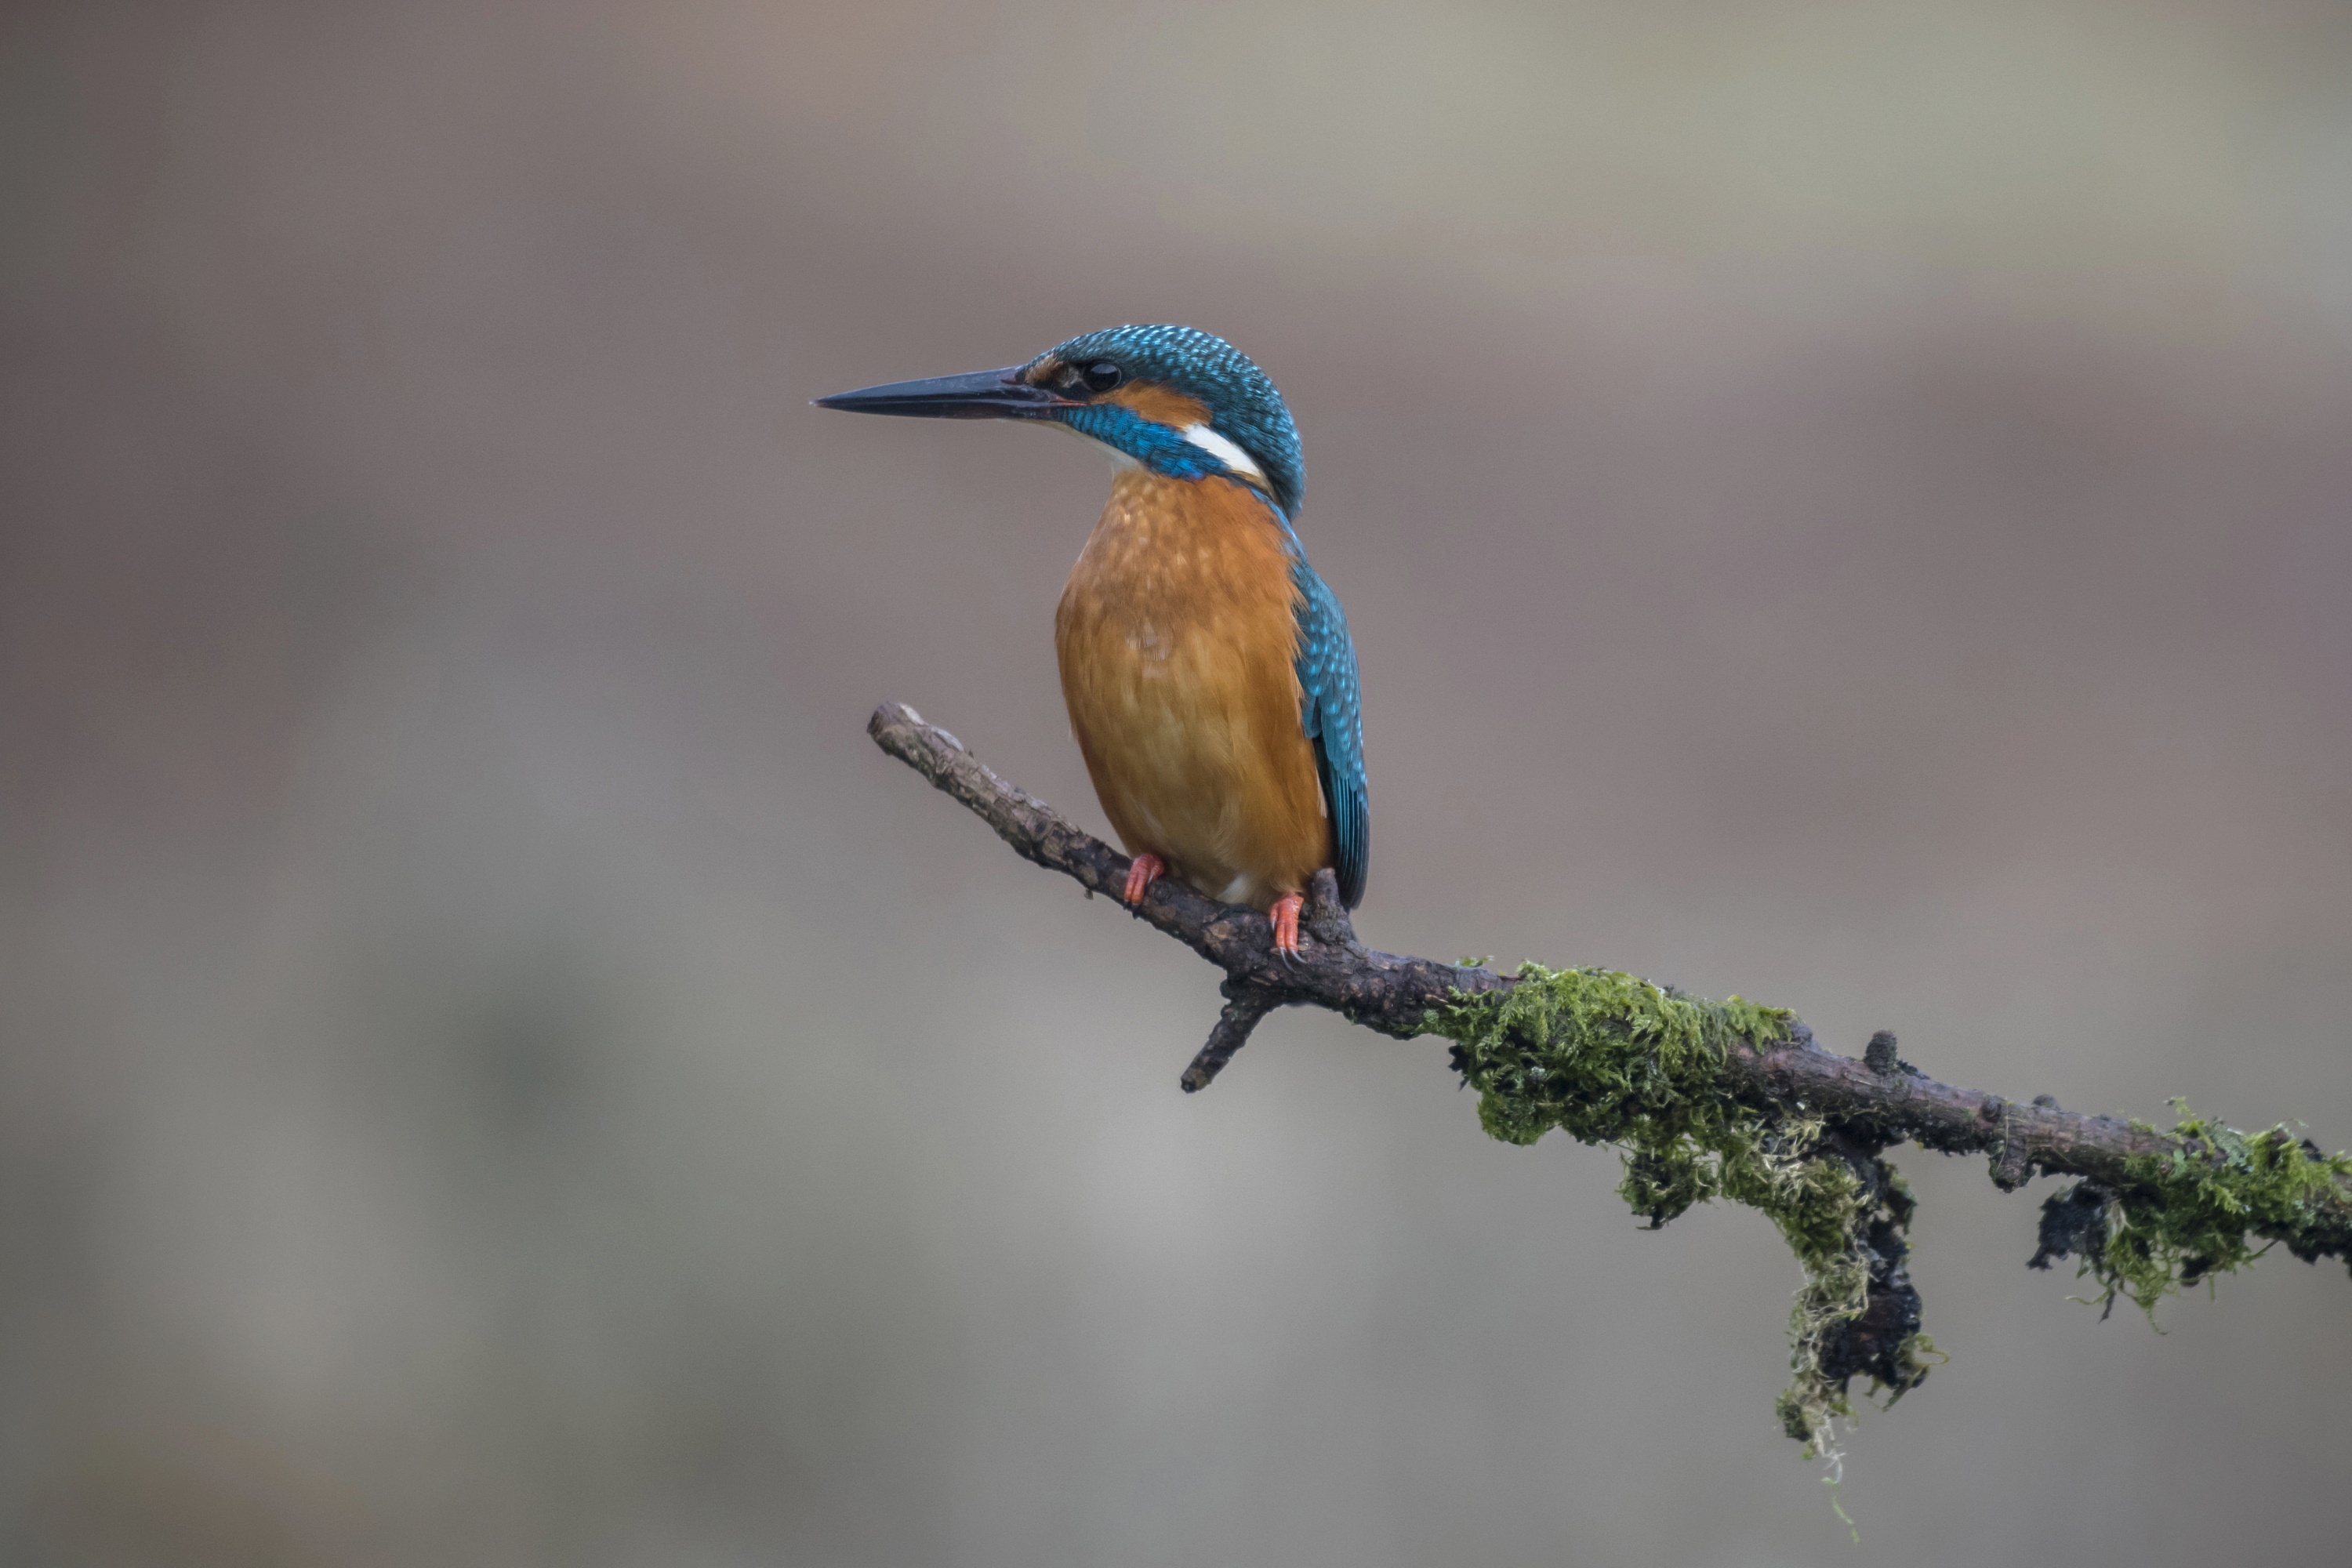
(1222, 450)
(1118, 460)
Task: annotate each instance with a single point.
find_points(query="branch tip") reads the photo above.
(1240, 1014)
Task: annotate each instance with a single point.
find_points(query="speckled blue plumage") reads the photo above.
(1244, 408)
(1247, 410)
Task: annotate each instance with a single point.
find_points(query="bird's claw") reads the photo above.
(1141, 872)
(1285, 915)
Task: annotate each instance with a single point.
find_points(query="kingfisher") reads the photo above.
(1208, 671)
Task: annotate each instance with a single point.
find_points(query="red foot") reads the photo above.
(1141, 872)
(1285, 924)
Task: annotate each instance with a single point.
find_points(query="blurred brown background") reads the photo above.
(1848, 505)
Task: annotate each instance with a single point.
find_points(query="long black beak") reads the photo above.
(983, 395)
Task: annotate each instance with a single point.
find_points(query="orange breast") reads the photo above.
(1177, 636)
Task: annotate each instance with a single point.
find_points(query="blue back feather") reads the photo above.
(1332, 712)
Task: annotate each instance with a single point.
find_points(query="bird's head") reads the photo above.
(1175, 399)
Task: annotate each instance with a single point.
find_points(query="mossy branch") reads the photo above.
(1706, 1099)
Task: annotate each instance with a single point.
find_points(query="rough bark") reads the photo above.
(1873, 1101)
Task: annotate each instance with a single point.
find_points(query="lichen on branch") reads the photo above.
(2212, 1203)
(1614, 1059)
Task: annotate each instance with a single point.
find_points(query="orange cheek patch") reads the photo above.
(1160, 405)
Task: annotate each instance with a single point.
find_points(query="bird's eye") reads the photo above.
(1102, 376)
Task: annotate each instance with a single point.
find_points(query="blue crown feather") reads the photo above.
(1243, 407)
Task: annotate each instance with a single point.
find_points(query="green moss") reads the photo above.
(1611, 1058)
(2213, 1207)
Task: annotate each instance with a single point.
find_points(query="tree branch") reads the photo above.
(1779, 1123)
(1882, 1105)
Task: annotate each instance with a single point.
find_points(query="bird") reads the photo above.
(1208, 670)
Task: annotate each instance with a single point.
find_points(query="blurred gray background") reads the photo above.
(1847, 505)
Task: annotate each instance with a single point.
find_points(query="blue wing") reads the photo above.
(1332, 712)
